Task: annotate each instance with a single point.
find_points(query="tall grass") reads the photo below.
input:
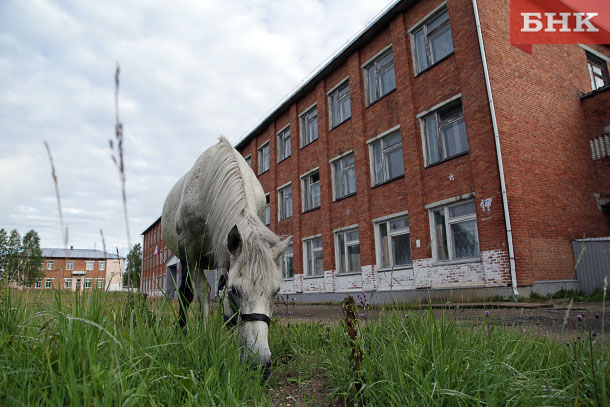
(91, 349)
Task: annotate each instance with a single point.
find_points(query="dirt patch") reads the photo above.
(556, 320)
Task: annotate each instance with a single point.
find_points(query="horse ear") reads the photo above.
(234, 241)
(279, 249)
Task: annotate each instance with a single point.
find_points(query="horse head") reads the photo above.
(253, 282)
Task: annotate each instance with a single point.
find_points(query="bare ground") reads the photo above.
(557, 320)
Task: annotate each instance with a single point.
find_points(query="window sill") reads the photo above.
(339, 124)
(344, 197)
(456, 262)
(388, 181)
(351, 273)
(434, 64)
(283, 159)
(447, 159)
(283, 219)
(310, 143)
(313, 277)
(311, 210)
(393, 269)
(261, 173)
(288, 279)
(382, 97)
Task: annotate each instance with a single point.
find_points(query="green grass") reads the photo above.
(99, 350)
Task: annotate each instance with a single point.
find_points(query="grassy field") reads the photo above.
(100, 349)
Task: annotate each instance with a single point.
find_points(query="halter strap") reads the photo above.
(255, 317)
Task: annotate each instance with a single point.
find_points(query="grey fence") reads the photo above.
(592, 258)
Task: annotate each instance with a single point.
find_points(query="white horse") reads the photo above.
(212, 219)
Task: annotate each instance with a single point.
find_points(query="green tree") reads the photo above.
(133, 271)
(20, 259)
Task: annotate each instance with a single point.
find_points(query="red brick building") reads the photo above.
(154, 256)
(414, 160)
(81, 269)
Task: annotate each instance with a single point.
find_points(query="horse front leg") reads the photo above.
(202, 288)
(185, 296)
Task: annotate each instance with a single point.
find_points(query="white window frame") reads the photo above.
(68, 283)
(379, 72)
(339, 103)
(99, 283)
(261, 157)
(283, 143)
(308, 256)
(435, 111)
(49, 264)
(306, 120)
(102, 265)
(48, 283)
(267, 215)
(288, 254)
(69, 265)
(90, 265)
(423, 26)
(280, 202)
(445, 205)
(38, 284)
(342, 250)
(598, 74)
(248, 159)
(385, 150)
(88, 282)
(307, 198)
(343, 171)
(379, 249)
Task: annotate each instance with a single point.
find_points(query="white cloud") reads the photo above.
(191, 70)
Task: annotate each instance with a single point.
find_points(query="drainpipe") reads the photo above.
(494, 123)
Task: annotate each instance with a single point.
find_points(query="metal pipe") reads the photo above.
(494, 123)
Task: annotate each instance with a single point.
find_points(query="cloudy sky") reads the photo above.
(191, 70)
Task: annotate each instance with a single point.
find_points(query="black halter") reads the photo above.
(237, 316)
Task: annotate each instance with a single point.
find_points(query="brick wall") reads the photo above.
(549, 173)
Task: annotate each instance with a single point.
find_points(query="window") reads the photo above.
(386, 158)
(348, 251)
(67, 283)
(100, 283)
(309, 126)
(445, 133)
(263, 158)
(598, 71)
(88, 282)
(344, 176)
(267, 216)
(89, 265)
(393, 242)
(283, 144)
(311, 190)
(379, 77)
(38, 284)
(339, 105)
(432, 41)
(249, 160)
(102, 265)
(48, 283)
(285, 202)
(287, 265)
(70, 265)
(455, 231)
(50, 265)
(314, 265)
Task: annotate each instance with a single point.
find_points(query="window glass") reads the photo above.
(263, 158)
(432, 41)
(309, 126)
(445, 134)
(285, 202)
(465, 240)
(380, 77)
(339, 105)
(441, 235)
(387, 158)
(283, 144)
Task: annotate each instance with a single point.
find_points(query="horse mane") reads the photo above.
(228, 204)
